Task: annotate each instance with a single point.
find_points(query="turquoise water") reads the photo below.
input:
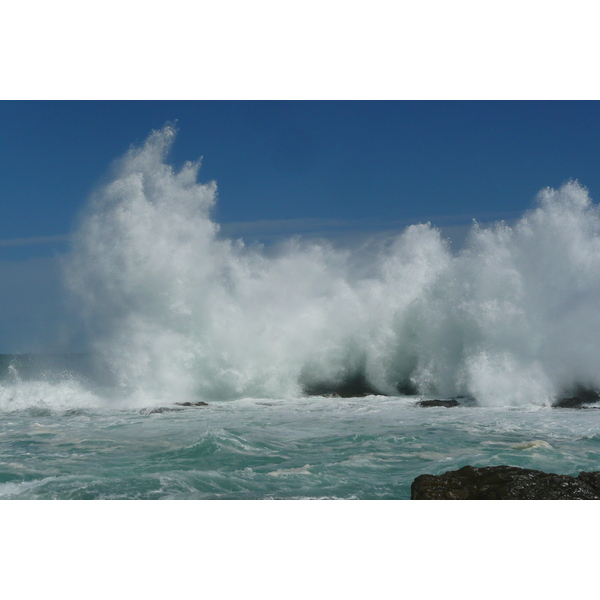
(330, 448)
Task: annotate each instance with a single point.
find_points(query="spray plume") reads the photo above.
(174, 310)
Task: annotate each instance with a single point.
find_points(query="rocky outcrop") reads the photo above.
(580, 397)
(355, 386)
(446, 403)
(505, 483)
(191, 403)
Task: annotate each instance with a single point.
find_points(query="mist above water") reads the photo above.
(175, 310)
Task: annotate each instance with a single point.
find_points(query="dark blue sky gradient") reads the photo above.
(289, 160)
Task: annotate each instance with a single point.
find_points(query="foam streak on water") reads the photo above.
(174, 308)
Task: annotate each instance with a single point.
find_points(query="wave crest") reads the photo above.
(173, 307)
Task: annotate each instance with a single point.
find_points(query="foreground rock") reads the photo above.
(505, 483)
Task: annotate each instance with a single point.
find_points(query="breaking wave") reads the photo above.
(174, 308)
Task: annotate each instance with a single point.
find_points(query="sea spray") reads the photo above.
(46, 383)
(176, 311)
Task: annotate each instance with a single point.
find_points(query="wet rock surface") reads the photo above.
(449, 402)
(431, 403)
(505, 483)
(355, 386)
(580, 397)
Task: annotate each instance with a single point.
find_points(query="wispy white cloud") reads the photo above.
(278, 228)
(275, 228)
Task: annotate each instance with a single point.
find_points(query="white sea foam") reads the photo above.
(292, 471)
(532, 444)
(173, 307)
(46, 396)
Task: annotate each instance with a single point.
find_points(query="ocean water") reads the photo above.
(175, 312)
(59, 441)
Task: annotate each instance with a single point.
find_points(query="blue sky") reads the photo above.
(309, 167)
(356, 161)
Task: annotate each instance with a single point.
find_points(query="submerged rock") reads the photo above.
(163, 409)
(505, 483)
(578, 398)
(158, 410)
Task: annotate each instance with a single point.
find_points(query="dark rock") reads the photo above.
(590, 478)
(505, 483)
(578, 398)
(191, 403)
(354, 386)
(446, 403)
